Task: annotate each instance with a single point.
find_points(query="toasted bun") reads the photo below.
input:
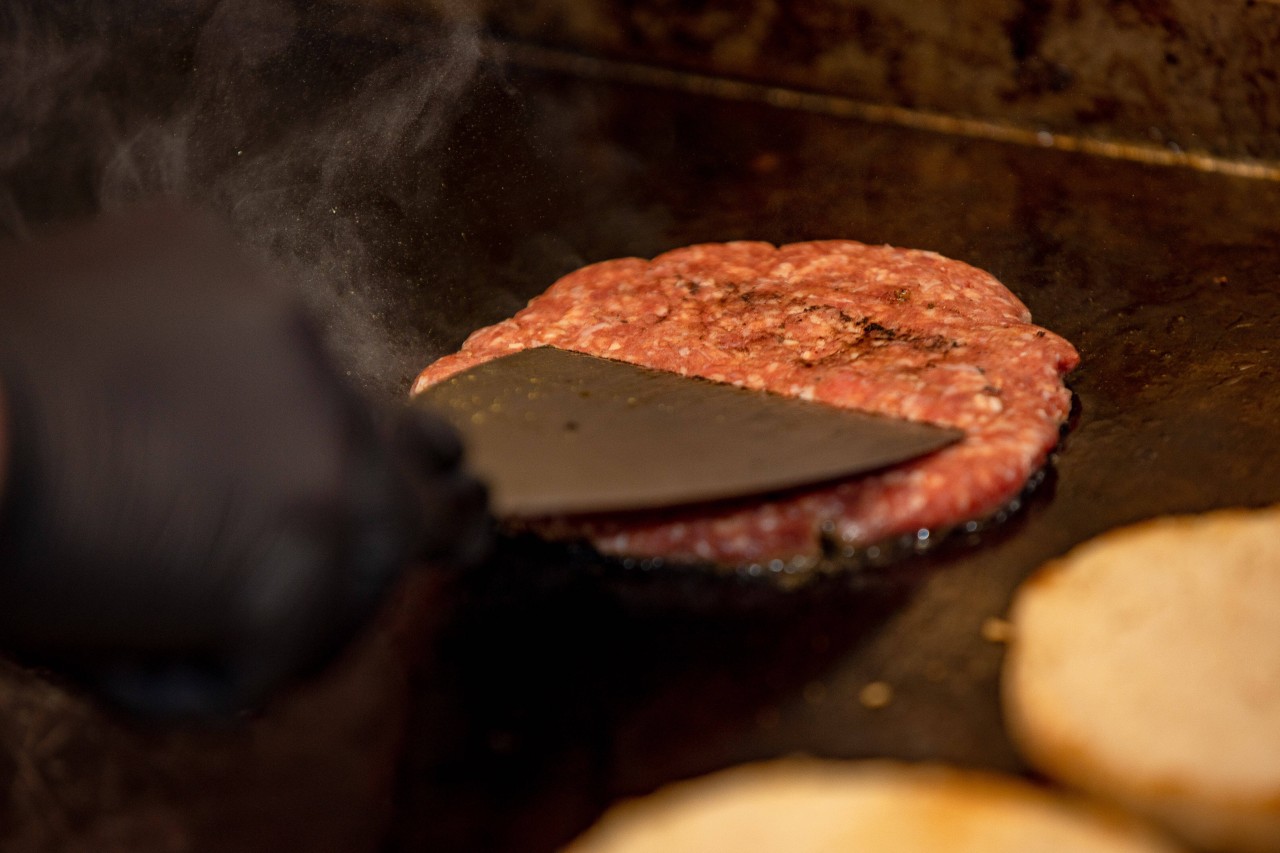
(1145, 667)
(804, 806)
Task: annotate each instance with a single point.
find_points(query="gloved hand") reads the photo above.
(196, 508)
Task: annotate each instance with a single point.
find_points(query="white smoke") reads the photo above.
(229, 105)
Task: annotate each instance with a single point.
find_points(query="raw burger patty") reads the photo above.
(896, 331)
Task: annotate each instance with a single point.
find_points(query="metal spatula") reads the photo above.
(556, 432)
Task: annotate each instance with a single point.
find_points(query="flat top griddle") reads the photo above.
(503, 708)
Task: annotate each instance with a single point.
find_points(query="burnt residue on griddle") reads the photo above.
(1036, 74)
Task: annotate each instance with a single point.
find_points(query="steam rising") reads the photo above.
(278, 116)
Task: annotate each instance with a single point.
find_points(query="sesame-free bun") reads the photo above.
(810, 806)
(1144, 667)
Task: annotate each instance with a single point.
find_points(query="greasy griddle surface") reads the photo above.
(611, 683)
(555, 681)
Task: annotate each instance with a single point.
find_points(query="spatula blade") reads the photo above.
(555, 432)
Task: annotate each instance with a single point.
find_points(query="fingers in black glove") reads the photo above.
(199, 507)
(458, 531)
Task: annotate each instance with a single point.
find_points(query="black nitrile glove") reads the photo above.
(196, 507)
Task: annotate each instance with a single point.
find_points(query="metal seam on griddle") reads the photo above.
(550, 59)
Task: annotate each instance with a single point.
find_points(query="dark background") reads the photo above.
(414, 188)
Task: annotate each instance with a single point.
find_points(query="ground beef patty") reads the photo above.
(900, 332)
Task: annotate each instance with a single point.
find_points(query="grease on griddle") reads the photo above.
(839, 557)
